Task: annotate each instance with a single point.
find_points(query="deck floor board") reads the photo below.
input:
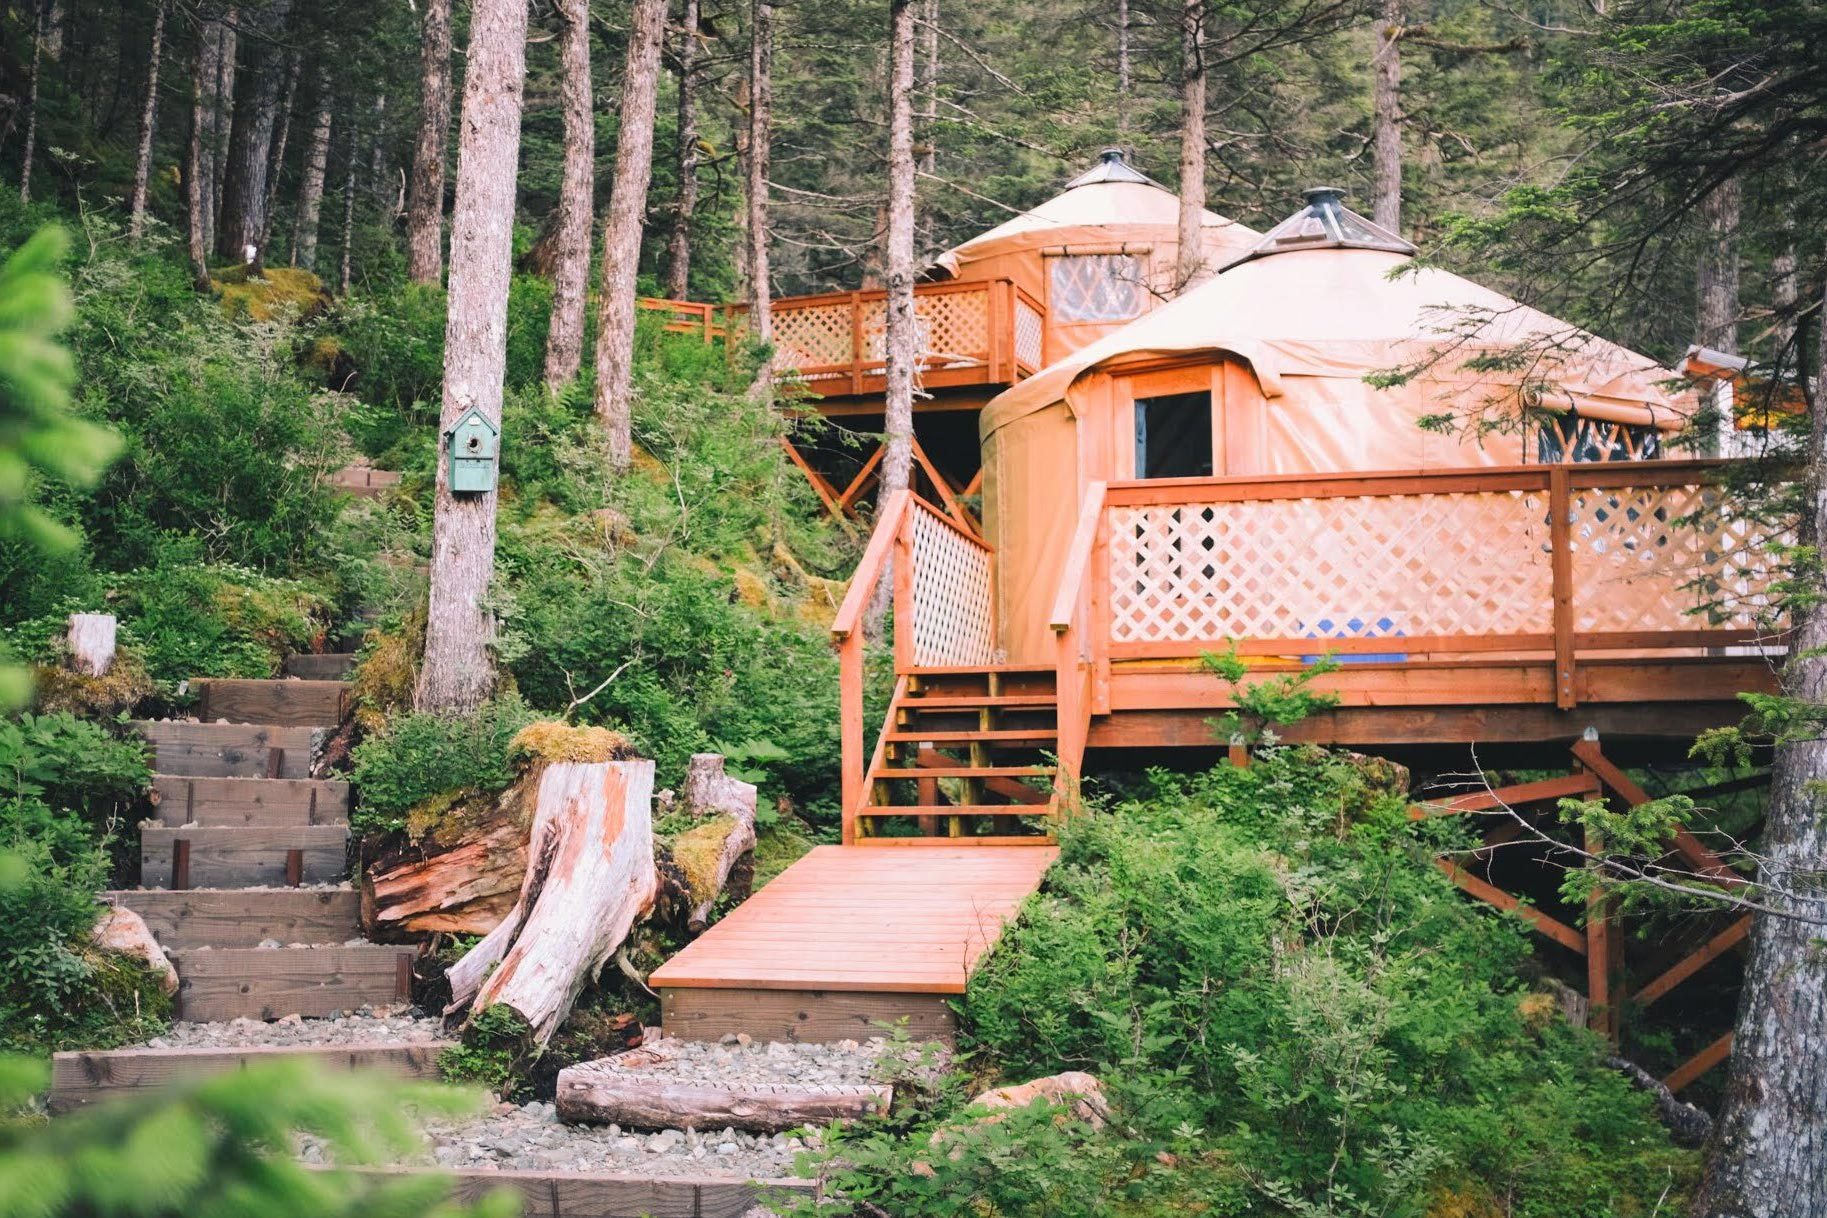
(868, 919)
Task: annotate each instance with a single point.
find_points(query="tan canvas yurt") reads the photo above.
(1273, 367)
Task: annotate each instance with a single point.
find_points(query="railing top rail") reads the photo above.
(819, 299)
(1581, 475)
(950, 523)
(1078, 558)
(869, 569)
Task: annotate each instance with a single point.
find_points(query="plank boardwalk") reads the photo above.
(860, 918)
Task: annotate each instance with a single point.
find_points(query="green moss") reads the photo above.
(548, 740)
(281, 291)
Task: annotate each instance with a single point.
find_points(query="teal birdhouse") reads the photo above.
(474, 445)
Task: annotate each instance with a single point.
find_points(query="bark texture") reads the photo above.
(576, 206)
(458, 672)
(276, 162)
(717, 855)
(1386, 119)
(760, 142)
(1189, 258)
(897, 256)
(311, 190)
(425, 187)
(1769, 1157)
(149, 111)
(91, 640)
(590, 878)
(196, 185)
(221, 113)
(346, 274)
(678, 242)
(39, 23)
(250, 145)
(1716, 278)
(622, 233)
(1125, 73)
(628, 1090)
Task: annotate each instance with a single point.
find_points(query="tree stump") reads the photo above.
(590, 877)
(709, 854)
(91, 643)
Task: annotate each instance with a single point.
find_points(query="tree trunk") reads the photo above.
(458, 672)
(1189, 261)
(678, 245)
(1124, 72)
(926, 161)
(1771, 1144)
(1716, 304)
(142, 164)
(196, 176)
(31, 104)
(311, 191)
(590, 878)
(269, 206)
(576, 208)
(1386, 120)
(755, 188)
(345, 277)
(377, 153)
(91, 640)
(222, 110)
(622, 234)
(711, 854)
(250, 144)
(897, 256)
(425, 188)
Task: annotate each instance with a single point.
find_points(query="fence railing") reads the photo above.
(688, 316)
(1560, 560)
(943, 614)
(974, 333)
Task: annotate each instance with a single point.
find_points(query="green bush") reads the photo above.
(418, 756)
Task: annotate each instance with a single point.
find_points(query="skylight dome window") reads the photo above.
(1325, 223)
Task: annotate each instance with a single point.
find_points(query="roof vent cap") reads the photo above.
(1112, 166)
(1324, 222)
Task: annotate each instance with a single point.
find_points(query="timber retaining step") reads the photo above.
(228, 750)
(328, 666)
(245, 917)
(182, 799)
(240, 856)
(84, 1077)
(217, 984)
(563, 1194)
(285, 702)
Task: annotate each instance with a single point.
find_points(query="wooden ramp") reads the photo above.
(849, 937)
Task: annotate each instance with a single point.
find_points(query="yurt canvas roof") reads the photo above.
(1107, 205)
(1356, 305)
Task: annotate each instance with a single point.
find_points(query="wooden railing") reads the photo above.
(987, 332)
(688, 316)
(1405, 566)
(943, 616)
(1076, 616)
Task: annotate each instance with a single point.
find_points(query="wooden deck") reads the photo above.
(847, 936)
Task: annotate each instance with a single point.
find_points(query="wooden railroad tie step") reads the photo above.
(268, 802)
(569, 1194)
(245, 917)
(285, 703)
(329, 666)
(228, 750)
(202, 856)
(273, 982)
(85, 1077)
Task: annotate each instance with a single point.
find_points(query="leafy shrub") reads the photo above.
(418, 756)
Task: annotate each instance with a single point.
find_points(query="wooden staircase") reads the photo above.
(967, 756)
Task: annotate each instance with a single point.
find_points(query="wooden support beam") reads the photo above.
(1686, 844)
(1700, 1063)
(1508, 797)
(1502, 834)
(1560, 932)
(847, 500)
(1560, 512)
(824, 488)
(1714, 948)
(1601, 965)
(947, 495)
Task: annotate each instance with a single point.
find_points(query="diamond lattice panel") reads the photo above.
(813, 337)
(1027, 333)
(951, 595)
(1667, 558)
(1460, 564)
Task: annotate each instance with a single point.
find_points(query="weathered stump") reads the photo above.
(91, 641)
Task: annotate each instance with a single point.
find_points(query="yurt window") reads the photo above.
(1095, 287)
(1174, 436)
(1566, 437)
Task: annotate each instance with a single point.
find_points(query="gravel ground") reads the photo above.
(529, 1137)
(738, 1060)
(368, 1025)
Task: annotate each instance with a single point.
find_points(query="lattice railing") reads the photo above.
(1625, 555)
(1030, 333)
(949, 600)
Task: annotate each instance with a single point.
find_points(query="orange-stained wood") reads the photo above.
(1700, 1063)
(861, 918)
(1507, 797)
(1560, 932)
(1685, 843)
(1714, 948)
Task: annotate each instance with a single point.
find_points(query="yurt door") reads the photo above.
(1187, 422)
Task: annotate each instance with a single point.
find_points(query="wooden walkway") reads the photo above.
(847, 936)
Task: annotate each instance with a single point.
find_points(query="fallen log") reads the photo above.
(721, 850)
(122, 930)
(590, 877)
(462, 877)
(627, 1090)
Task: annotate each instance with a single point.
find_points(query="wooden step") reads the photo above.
(234, 856)
(224, 750)
(329, 666)
(284, 702)
(83, 1078)
(938, 702)
(186, 800)
(273, 982)
(1004, 839)
(916, 736)
(886, 811)
(903, 773)
(245, 917)
(364, 481)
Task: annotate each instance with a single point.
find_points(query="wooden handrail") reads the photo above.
(1078, 558)
(869, 569)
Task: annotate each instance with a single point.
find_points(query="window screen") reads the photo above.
(1096, 287)
(1174, 436)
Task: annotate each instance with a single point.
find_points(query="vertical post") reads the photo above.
(1560, 521)
(180, 864)
(904, 590)
(856, 342)
(294, 868)
(999, 359)
(1097, 620)
(850, 727)
(402, 977)
(1602, 1016)
(275, 762)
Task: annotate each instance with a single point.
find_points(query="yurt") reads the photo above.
(1323, 347)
